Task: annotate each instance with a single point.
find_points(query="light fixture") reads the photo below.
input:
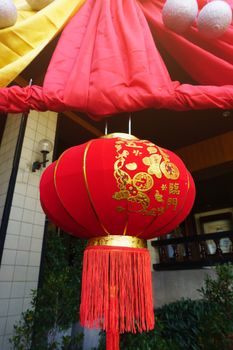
(226, 113)
(45, 146)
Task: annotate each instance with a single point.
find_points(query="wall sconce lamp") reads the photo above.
(45, 147)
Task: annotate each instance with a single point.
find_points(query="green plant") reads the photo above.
(217, 294)
(219, 290)
(181, 323)
(55, 305)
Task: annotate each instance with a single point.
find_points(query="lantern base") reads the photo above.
(116, 291)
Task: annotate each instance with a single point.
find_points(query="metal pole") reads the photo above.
(130, 125)
(106, 128)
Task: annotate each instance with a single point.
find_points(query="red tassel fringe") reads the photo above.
(112, 341)
(116, 291)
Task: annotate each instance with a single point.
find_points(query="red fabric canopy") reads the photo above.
(107, 62)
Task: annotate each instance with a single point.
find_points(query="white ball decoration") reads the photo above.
(178, 15)
(8, 13)
(214, 19)
(38, 4)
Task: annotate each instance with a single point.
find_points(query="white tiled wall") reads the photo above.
(7, 150)
(22, 250)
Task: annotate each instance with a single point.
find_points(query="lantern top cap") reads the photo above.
(120, 135)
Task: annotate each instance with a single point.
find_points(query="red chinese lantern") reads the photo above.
(117, 191)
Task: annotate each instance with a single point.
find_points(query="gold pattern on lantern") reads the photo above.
(148, 143)
(152, 150)
(163, 187)
(164, 154)
(160, 210)
(131, 166)
(142, 199)
(154, 165)
(133, 144)
(118, 147)
(121, 195)
(123, 179)
(158, 196)
(151, 212)
(134, 196)
(170, 170)
(143, 181)
(174, 188)
(137, 152)
(172, 201)
(120, 209)
(131, 189)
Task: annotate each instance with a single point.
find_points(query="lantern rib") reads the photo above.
(87, 186)
(126, 225)
(56, 189)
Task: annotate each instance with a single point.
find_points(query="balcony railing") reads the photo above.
(194, 252)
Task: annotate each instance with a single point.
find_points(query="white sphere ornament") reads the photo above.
(8, 13)
(214, 19)
(178, 15)
(38, 4)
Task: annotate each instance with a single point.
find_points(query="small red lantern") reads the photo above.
(117, 191)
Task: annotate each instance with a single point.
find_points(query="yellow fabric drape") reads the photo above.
(21, 43)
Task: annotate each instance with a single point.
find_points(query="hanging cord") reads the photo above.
(106, 127)
(130, 124)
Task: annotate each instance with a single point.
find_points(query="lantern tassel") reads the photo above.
(116, 291)
(112, 341)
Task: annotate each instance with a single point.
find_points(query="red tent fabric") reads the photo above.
(107, 62)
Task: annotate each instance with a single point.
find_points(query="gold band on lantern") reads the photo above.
(118, 241)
